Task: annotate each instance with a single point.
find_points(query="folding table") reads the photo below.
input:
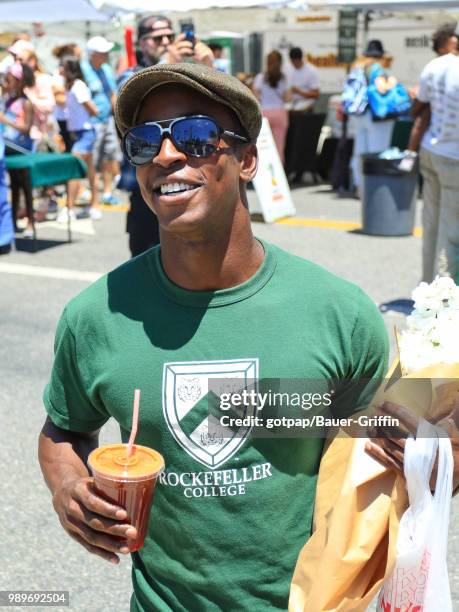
(44, 169)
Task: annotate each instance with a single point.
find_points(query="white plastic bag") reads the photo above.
(419, 581)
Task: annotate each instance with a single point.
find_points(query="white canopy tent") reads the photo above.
(394, 5)
(48, 11)
(164, 6)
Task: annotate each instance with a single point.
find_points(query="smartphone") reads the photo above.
(187, 28)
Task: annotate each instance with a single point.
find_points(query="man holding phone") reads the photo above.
(157, 44)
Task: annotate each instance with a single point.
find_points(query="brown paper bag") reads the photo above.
(358, 508)
(359, 504)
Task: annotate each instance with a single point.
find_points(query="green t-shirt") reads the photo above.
(229, 517)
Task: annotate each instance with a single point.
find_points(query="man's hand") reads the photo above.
(384, 84)
(94, 523)
(203, 54)
(389, 450)
(179, 50)
(182, 49)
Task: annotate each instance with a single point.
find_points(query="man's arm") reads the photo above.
(421, 113)
(306, 93)
(420, 125)
(419, 107)
(94, 523)
(311, 89)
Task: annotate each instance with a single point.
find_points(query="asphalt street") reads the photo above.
(34, 287)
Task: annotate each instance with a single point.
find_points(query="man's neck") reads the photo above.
(96, 66)
(212, 263)
(148, 61)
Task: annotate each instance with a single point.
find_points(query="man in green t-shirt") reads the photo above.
(230, 514)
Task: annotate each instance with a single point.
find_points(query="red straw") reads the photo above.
(135, 420)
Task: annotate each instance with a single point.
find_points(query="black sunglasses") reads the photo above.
(196, 136)
(159, 39)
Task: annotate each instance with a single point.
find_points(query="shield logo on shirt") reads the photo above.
(188, 389)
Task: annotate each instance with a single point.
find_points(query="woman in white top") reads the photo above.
(80, 109)
(60, 110)
(272, 90)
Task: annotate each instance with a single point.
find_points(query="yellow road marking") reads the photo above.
(330, 224)
(335, 224)
(323, 223)
(110, 207)
(117, 208)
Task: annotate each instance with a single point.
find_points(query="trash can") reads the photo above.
(389, 194)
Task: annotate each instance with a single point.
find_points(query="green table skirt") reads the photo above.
(48, 168)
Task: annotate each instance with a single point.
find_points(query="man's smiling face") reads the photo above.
(210, 186)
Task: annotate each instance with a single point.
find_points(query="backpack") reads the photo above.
(390, 105)
(354, 96)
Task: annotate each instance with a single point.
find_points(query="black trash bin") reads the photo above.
(389, 195)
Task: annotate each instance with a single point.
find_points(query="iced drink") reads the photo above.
(128, 482)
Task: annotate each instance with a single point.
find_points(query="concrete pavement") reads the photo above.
(37, 552)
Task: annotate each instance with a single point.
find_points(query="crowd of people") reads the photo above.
(71, 110)
(434, 105)
(279, 91)
(68, 111)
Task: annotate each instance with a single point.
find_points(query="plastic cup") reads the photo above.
(128, 481)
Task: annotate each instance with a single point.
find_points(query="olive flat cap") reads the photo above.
(218, 86)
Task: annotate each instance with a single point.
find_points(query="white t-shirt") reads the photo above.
(78, 117)
(439, 85)
(306, 78)
(270, 97)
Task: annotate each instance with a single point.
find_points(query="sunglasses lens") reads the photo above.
(142, 144)
(159, 39)
(195, 136)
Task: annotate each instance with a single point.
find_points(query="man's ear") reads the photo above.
(248, 163)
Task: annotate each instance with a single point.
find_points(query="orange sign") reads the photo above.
(313, 18)
(331, 61)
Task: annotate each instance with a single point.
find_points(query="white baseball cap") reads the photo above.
(21, 46)
(99, 44)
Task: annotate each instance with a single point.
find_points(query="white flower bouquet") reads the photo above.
(432, 334)
(428, 366)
